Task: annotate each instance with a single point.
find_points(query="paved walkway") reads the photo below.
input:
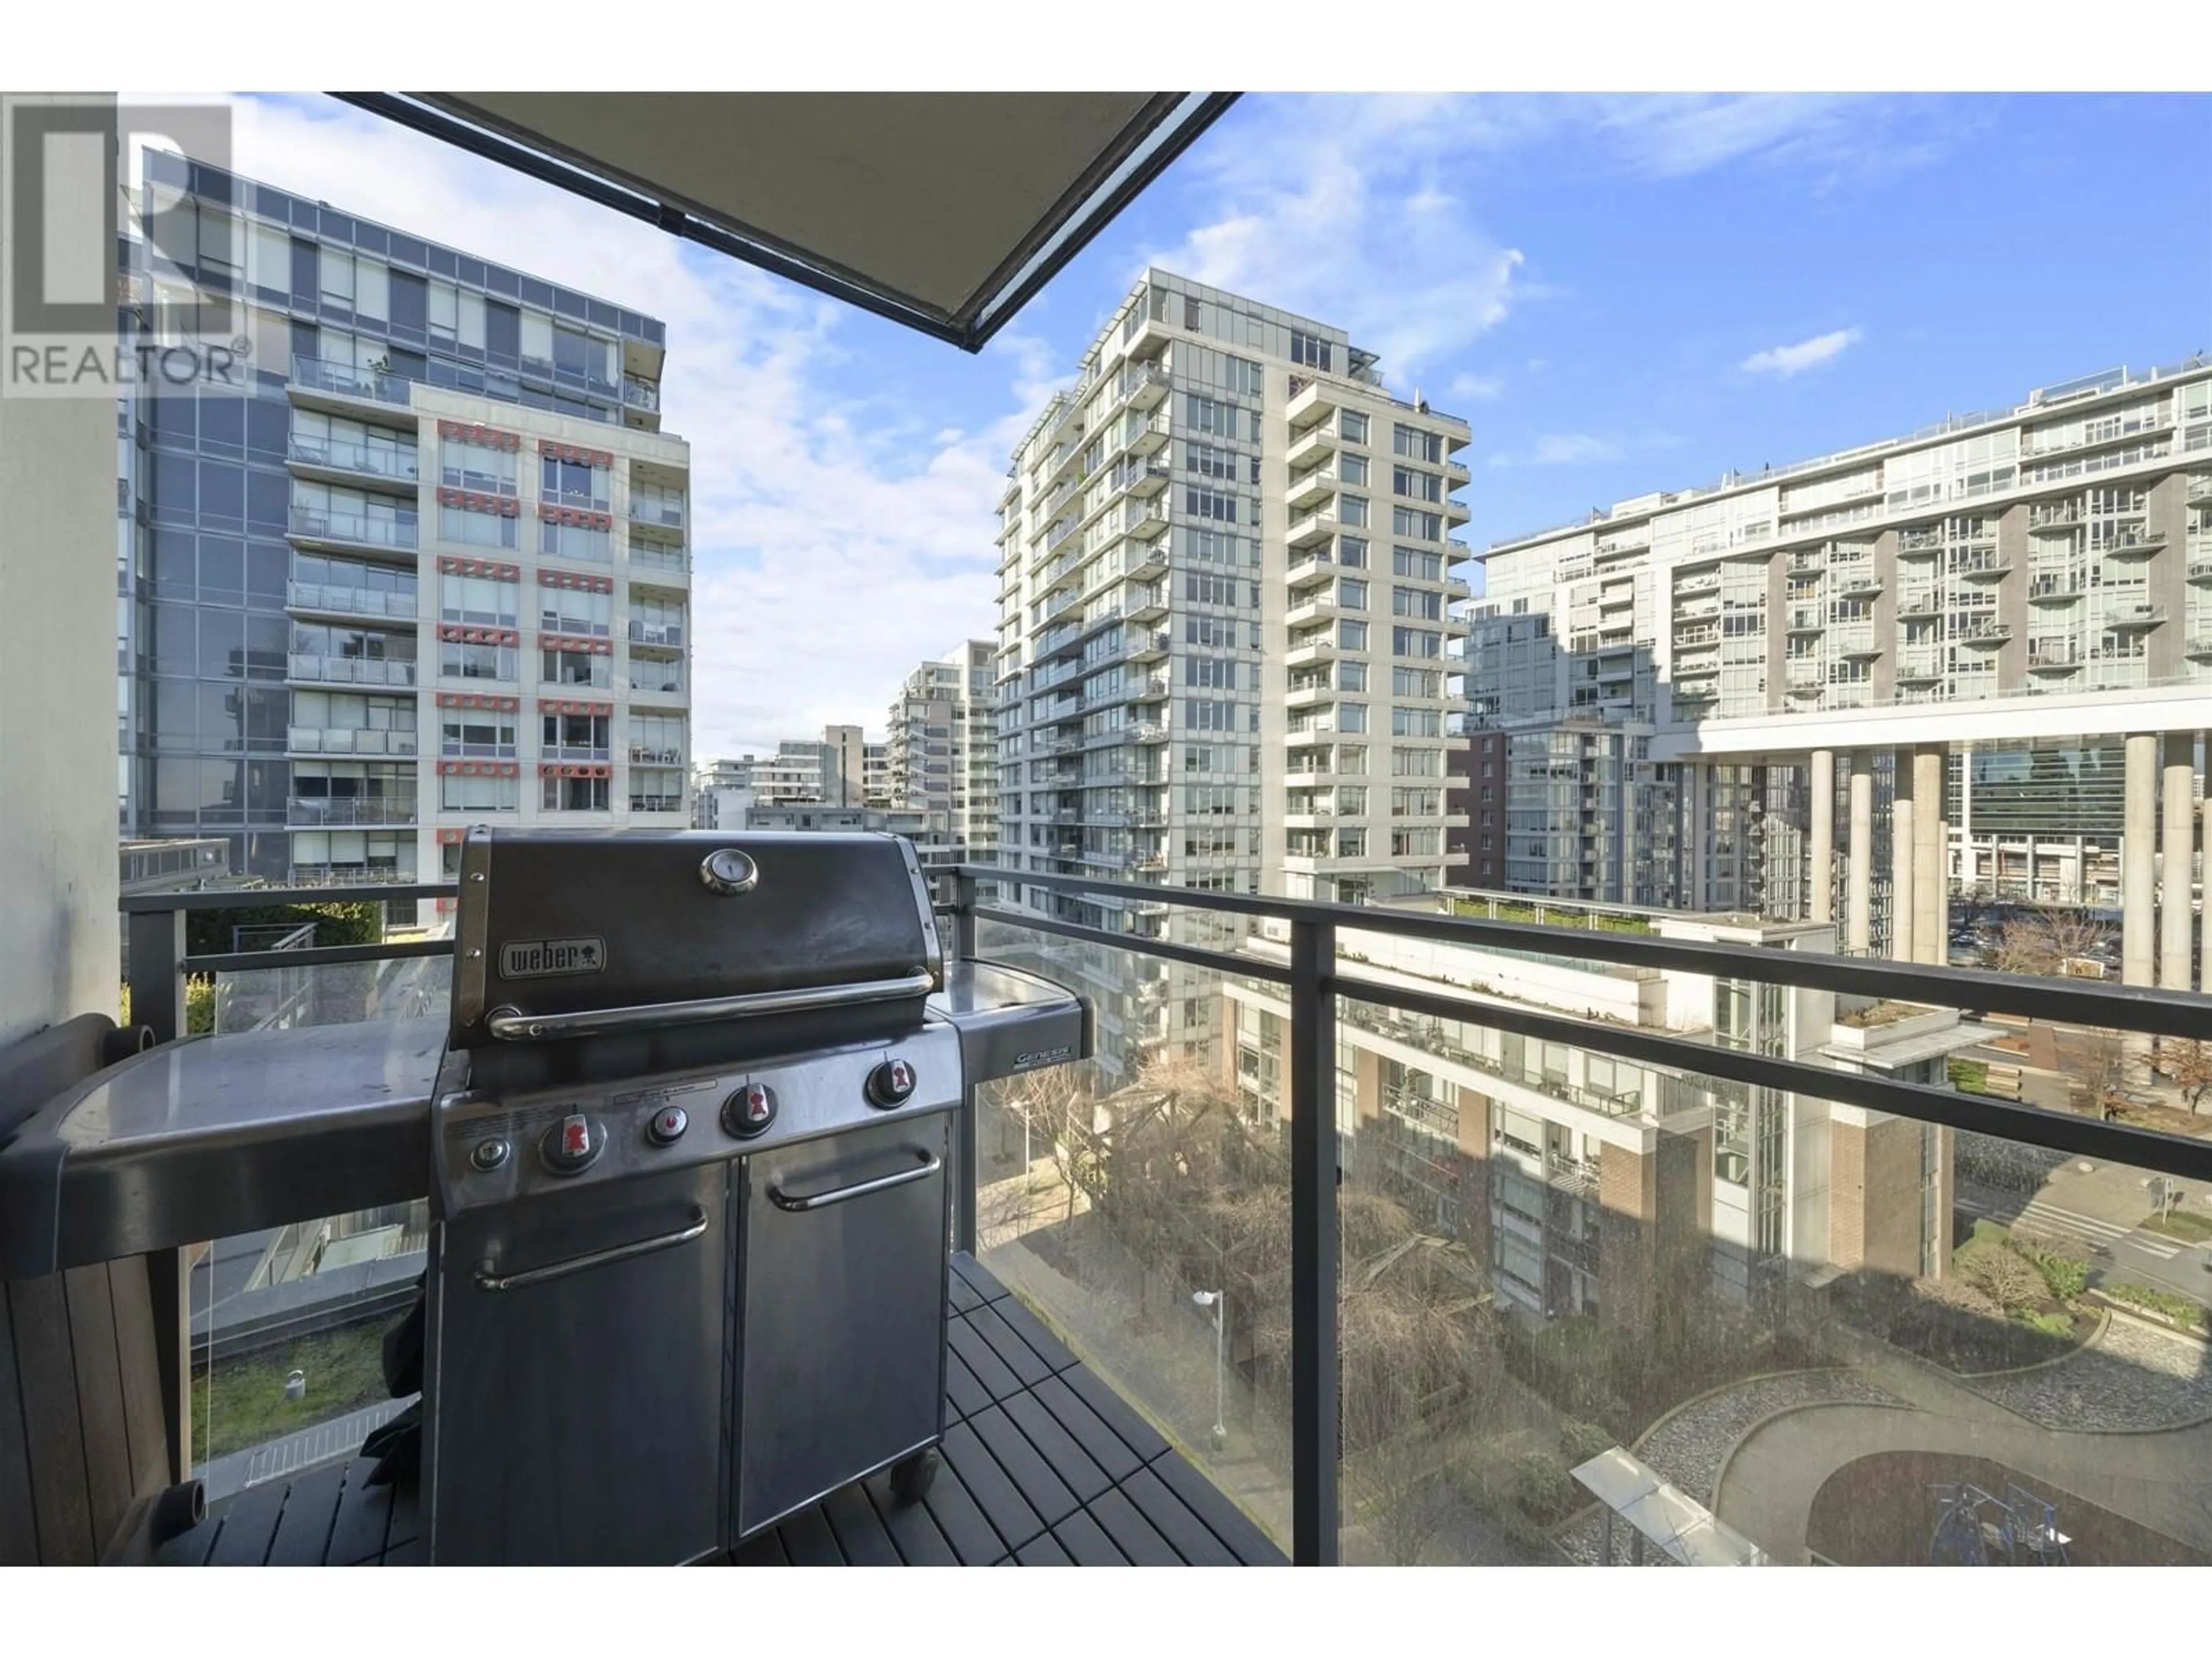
(2161, 1479)
(1688, 1448)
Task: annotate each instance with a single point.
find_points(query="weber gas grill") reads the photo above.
(689, 1139)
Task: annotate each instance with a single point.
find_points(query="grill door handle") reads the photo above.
(489, 1279)
(795, 1202)
(511, 1025)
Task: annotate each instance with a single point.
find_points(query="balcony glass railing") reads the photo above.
(1496, 1280)
(397, 462)
(348, 670)
(327, 740)
(345, 381)
(644, 556)
(319, 525)
(332, 598)
(317, 810)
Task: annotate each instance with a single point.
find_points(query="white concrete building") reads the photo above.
(1223, 608)
(942, 754)
(1990, 641)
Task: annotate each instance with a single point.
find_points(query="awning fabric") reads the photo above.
(943, 210)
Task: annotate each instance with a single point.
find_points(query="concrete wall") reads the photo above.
(59, 929)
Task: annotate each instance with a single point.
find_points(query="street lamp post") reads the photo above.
(1219, 1301)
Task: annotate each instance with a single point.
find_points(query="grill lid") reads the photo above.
(564, 933)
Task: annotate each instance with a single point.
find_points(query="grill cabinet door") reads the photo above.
(579, 1419)
(841, 1349)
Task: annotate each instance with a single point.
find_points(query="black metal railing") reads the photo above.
(1319, 986)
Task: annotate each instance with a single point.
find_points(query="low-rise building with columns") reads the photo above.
(1975, 659)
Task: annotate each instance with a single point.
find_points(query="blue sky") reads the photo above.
(1619, 294)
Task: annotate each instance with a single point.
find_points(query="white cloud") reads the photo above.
(1475, 388)
(825, 527)
(1333, 206)
(1788, 360)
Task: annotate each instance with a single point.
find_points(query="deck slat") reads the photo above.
(1035, 1332)
(919, 1543)
(966, 1395)
(1107, 1450)
(1139, 1539)
(961, 1519)
(364, 1512)
(860, 1530)
(763, 1549)
(980, 1278)
(1171, 1518)
(1223, 1518)
(1057, 1446)
(1043, 1551)
(1086, 1542)
(963, 1295)
(1120, 1416)
(1021, 1358)
(1042, 1488)
(248, 1527)
(808, 1541)
(303, 1533)
(994, 1491)
(983, 1360)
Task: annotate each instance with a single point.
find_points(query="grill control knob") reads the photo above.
(890, 1084)
(749, 1111)
(667, 1126)
(573, 1144)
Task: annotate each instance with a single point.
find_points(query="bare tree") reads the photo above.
(2189, 1066)
(2043, 941)
(2100, 1060)
(2005, 1277)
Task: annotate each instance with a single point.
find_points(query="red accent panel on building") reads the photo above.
(477, 700)
(507, 507)
(487, 568)
(454, 769)
(581, 518)
(454, 631)
(583, 584)
(575, 452)
(480, 434)
(576, 642)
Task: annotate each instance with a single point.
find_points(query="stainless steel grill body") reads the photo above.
(690, 1145)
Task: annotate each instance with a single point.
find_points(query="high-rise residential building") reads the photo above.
(1990, 640)
(428, 567)
(942, 756)
(1223, 607)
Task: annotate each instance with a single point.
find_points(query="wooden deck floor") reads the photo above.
(1043, 1466)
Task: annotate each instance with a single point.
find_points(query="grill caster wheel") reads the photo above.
(911, 1476)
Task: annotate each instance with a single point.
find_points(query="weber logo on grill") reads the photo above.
(541, 958)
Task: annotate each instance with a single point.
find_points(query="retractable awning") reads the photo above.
(944, 211)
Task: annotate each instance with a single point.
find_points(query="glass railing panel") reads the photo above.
(1730, 1325)
(287, 1344)
(332, 993)
(1111, 1194)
